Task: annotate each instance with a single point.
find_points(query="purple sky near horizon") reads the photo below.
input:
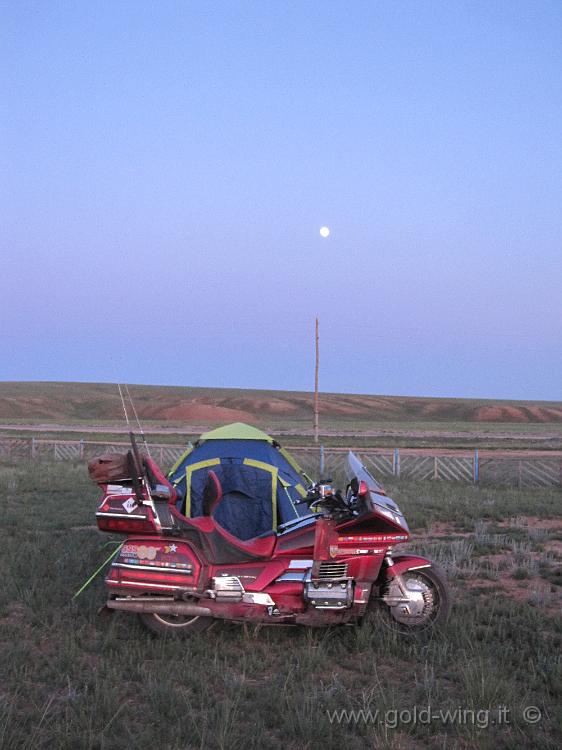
(167, 167)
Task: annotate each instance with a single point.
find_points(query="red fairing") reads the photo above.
(407, 562)
(325, 539)
(149, 564)
(299, 542)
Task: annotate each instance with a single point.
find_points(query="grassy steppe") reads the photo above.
(72, 680)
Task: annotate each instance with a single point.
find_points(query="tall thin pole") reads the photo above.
(316, 387)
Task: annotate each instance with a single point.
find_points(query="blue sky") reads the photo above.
(167, 167)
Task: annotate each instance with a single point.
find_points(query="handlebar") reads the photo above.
(322, 497)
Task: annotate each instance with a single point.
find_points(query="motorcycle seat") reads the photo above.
(218, 544)
(258, 547)
(221, 547)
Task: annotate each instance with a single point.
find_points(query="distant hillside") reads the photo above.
(67, 402)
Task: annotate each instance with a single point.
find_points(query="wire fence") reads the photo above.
(516, 469)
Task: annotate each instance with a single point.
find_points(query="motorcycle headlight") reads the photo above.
(394, 517)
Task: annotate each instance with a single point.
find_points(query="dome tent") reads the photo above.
(261, 483)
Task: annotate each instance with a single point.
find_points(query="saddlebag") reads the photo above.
(111, 467)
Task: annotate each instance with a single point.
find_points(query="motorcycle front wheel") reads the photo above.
(175, 625)
(428, 605)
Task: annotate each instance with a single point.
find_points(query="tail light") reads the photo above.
(126, 524)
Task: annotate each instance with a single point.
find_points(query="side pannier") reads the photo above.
(111, 467)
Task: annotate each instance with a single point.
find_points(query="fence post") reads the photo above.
(81, 449)
(476, 466)
(435, 469)
(321, 462)
(396, 463)
(519, 467)
(161, 455)
(33, 447)
(55, 451)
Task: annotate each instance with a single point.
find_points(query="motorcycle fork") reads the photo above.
(396, 578)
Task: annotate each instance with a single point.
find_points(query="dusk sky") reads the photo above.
(167, 166)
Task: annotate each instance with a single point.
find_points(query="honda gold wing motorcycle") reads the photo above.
(330, 567)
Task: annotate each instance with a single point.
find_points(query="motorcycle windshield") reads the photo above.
(354, 468)
(385, 505)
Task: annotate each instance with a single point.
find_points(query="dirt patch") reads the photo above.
(532, 522)
(15, 616)
(495, 570)
(554, 546)
(534, 591)
(263, 406)
(441, 529)
(506, 413)
(202, 412)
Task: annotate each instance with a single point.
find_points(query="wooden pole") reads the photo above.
(316, 387)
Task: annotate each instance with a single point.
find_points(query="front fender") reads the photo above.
(402, 563)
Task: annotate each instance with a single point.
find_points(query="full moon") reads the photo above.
(324, 231)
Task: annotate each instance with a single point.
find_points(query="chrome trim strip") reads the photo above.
(143, 584)
(258, 598)
(418, 567)
(159, 599)
(186, 571)
(297, 520)
(303, 523)
(300, 564)
(293, 577)
(122, 515)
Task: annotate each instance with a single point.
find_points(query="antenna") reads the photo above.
(316, 386)
(145, 443)
(124, 407)
(137, 468)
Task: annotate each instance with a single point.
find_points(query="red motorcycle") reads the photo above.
(330, 567)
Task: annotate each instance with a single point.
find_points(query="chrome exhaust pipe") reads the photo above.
(162, 608)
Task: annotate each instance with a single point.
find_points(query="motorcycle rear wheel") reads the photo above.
(175, 625)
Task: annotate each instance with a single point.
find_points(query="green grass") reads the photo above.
(494, 436)
(71, 679)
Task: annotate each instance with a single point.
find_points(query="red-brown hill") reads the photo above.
(71, 402)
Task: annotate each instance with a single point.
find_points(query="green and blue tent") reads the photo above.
(262, 483)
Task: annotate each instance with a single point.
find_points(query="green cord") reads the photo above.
(101, 567)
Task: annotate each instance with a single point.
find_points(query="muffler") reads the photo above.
(162, 608)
